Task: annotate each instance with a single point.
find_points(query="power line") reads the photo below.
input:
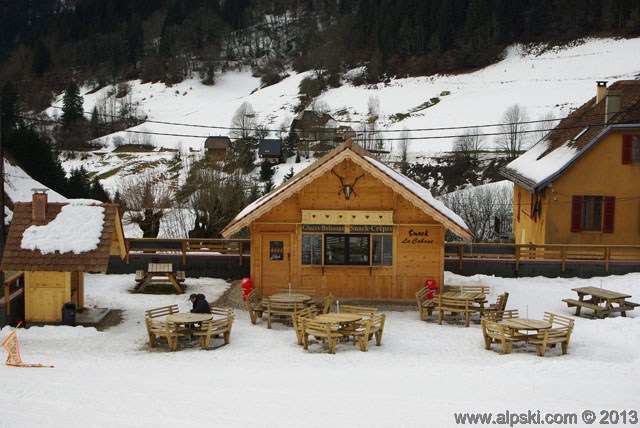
(445, 128)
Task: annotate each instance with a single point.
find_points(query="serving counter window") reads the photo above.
(347, 249)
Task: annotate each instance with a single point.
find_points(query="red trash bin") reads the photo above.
(432, 285)
(247, 286)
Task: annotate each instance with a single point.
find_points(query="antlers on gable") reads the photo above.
(348, 189)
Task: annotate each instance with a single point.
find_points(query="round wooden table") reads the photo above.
(339, 317)
(526, 324)
(186, 318)
(289, 298)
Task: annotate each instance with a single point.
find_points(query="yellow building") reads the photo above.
(348, 225)
(581, 183)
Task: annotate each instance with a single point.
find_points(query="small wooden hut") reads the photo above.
(54, 244)
(349, 225)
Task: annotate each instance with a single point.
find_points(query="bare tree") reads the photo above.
(512, 141)
(404, 141)
(545, 124)
(243, 121)
(470, 144)
(146, 197)
(480, 206)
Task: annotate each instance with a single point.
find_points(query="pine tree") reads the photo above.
(72, 104)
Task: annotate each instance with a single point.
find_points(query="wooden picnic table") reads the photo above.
(478, 298)
(159, 273)
(339, 318)
(188, 318)
(526, 324)
(289, 298)
(603, 302)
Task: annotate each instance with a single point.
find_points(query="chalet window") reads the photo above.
(346, 249)
(381, 251)
(312, 249)
(595, 213)
(630, 149)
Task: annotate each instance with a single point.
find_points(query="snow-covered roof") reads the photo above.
(75, 237)
(77, 229)
(386, 174)
(574, 136)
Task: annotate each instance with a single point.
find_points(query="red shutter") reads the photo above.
(627, 144)
(576, 213)
(609, 214)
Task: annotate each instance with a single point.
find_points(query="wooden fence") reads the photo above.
(551, 253)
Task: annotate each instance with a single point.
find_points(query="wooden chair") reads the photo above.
(560, 332)
(366, 329)
(281, 309)
(365, 311)
(495, 332)
(320, 330)
(425, 305)
(446, 304)
(160, 329)
(327, 302)
(499, 306)
(254, 305)
(309, 312)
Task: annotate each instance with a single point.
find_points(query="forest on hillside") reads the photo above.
(46, 43)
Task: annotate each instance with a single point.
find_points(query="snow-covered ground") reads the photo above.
(419, 377)
(183, 115)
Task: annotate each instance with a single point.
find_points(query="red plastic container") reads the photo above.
(432, 285)
(247, 286)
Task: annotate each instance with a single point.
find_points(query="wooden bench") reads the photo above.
(560, 332)
(495, 332)
(309, 312)
(162, 311)
(599, 310)
(297, 290)
(320, 330)
(161, 329)
(254, 305)
(281, 309)
(466, 307)
(497, 316)
(220, 325)
(156, 328)
(367, 329)
(484, 289)
(326, 303)
(425, 305)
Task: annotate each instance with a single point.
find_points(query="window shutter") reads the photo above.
(627, 144)
(609, 214)
(576, 213)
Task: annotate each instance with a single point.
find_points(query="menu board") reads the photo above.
(276, 250)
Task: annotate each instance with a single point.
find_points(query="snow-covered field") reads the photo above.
(419, 377)
(183, 115)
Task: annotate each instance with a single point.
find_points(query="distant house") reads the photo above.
(580, 184)
(54, 244)
(344, 133)
(270, 148)
(311, 125)
(217, 147)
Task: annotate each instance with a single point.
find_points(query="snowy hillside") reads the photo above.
(181, 117)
